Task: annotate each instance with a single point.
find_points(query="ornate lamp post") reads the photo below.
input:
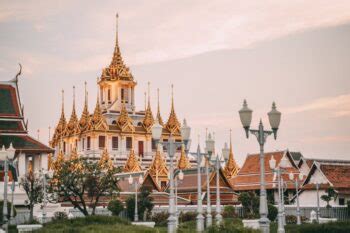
(6, 156)
(171, 148)
(210, 144)
(136, 183)
(218, 216)
(177, 180)
(274, 118)
(296, 182)
(317, 183)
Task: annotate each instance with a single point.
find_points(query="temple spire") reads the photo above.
(231, 169)
(148, 120)
(173, 124)
(159, 117)
(132, 164)
(83, 123)
(116, 30)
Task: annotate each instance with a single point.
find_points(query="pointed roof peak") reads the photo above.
(231, 168)
(173, 124)
(132, 164)
(159, 117)
(183, 162)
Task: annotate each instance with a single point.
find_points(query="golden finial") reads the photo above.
(132, 164)
(105, 161)
(173, 124)
(84, 119)
(148, 120)
(231, 169)
(183, 162)
(145, 100)
(116, 31)
(159, 117)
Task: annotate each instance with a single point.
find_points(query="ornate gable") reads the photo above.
(158, 168)
(132, 164)
(124, 121)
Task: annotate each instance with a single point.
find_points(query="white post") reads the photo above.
(218, 216)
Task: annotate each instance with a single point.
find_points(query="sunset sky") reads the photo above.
(216, 53)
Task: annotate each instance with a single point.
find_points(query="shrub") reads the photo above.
(8, 210)
(273, 211)
(291, 219)
(160, 218)
(60, 215)
(229, 212)
(250, 203)
(115, 206)
(230, 227)
(187, 216)
(348, 203)
(333, 227)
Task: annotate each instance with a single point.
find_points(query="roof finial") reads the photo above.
(172, 94)
(116, 31)
(149, 93)
(145, 100)
(159, 117)
(231, 140)
(86, 94)
(74, 97)
(62, 101)
(49, 134)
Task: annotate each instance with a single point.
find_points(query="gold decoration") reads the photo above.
(173, 125)
(85, 116)
(231, 169)
(61, 126)
(105, 161)
(74, 154)
(132, 164)
(148, 121)
(57, 164)
(124, 120)
(183, 162)
(49, 161)
(159, 117)
(72, 126)
(158, 168)
(117, 70)
(97, 121)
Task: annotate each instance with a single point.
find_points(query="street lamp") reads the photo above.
(139, 182)
(218, 216)
(245, 115)
(296, 182)
(278, 170)
(226, 151)
(210, 146)
(178, 178)
(317, 183)
(6, 156)
(171, 148)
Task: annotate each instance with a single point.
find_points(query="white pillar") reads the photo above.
(44, 161)
(21, 164)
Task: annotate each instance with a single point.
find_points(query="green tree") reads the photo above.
(8, 210)
(33, 186)
(83, 183)
(250, 203)
(144, 204)
(329, 196)
(116, 207)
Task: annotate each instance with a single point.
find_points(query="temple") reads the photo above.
(115, 126)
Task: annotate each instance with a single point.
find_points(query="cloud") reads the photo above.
(336, 106)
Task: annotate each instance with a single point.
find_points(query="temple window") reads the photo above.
(114, 143)
(128, 143)
(88, 146)
(101, 142)
(122, 94)
(64, 147)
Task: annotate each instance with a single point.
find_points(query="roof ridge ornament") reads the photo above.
(15, 79)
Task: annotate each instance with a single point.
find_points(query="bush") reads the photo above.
(187, 216)
(59, 215)
(230, 226)
(229, 212)
(273, 211)
(333, 227)
(8, 210)
(160, 218)
(348, 203)
(250, 203)
(115, 206)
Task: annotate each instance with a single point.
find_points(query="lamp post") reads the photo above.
(317, 183)
(177, 180)
(171, 148)
(210, 144)
(136, 183)
(218, 216)
(6, 156)
(278, 170)
(296, 182)
(274, 118)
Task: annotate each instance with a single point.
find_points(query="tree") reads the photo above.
(250, 203)
(83, 183)
(144, 204)
(33, 186)
(115, 206)
(329, 196)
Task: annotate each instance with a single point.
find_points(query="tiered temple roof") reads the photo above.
(231, 169)
(132, 164)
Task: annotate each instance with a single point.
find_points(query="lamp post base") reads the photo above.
(172, 224)
(200, 223)
(218, 219)
(209, 220)
(264, 224)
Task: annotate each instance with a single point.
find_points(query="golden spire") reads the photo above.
(96, 117)
(61, 126)
(74, 154)
(124, 117)
(117, 70)
(159, 117)
(183, 162)
(84, 119)
(73, 121)
(158, 168)
(231, 169)
(105, 161)
(148, 120)
(57, 164)
(173, 125)
(132, 164)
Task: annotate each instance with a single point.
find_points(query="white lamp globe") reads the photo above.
(157, 131)
(245, 114)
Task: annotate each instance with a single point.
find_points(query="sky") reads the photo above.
(216, 53)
